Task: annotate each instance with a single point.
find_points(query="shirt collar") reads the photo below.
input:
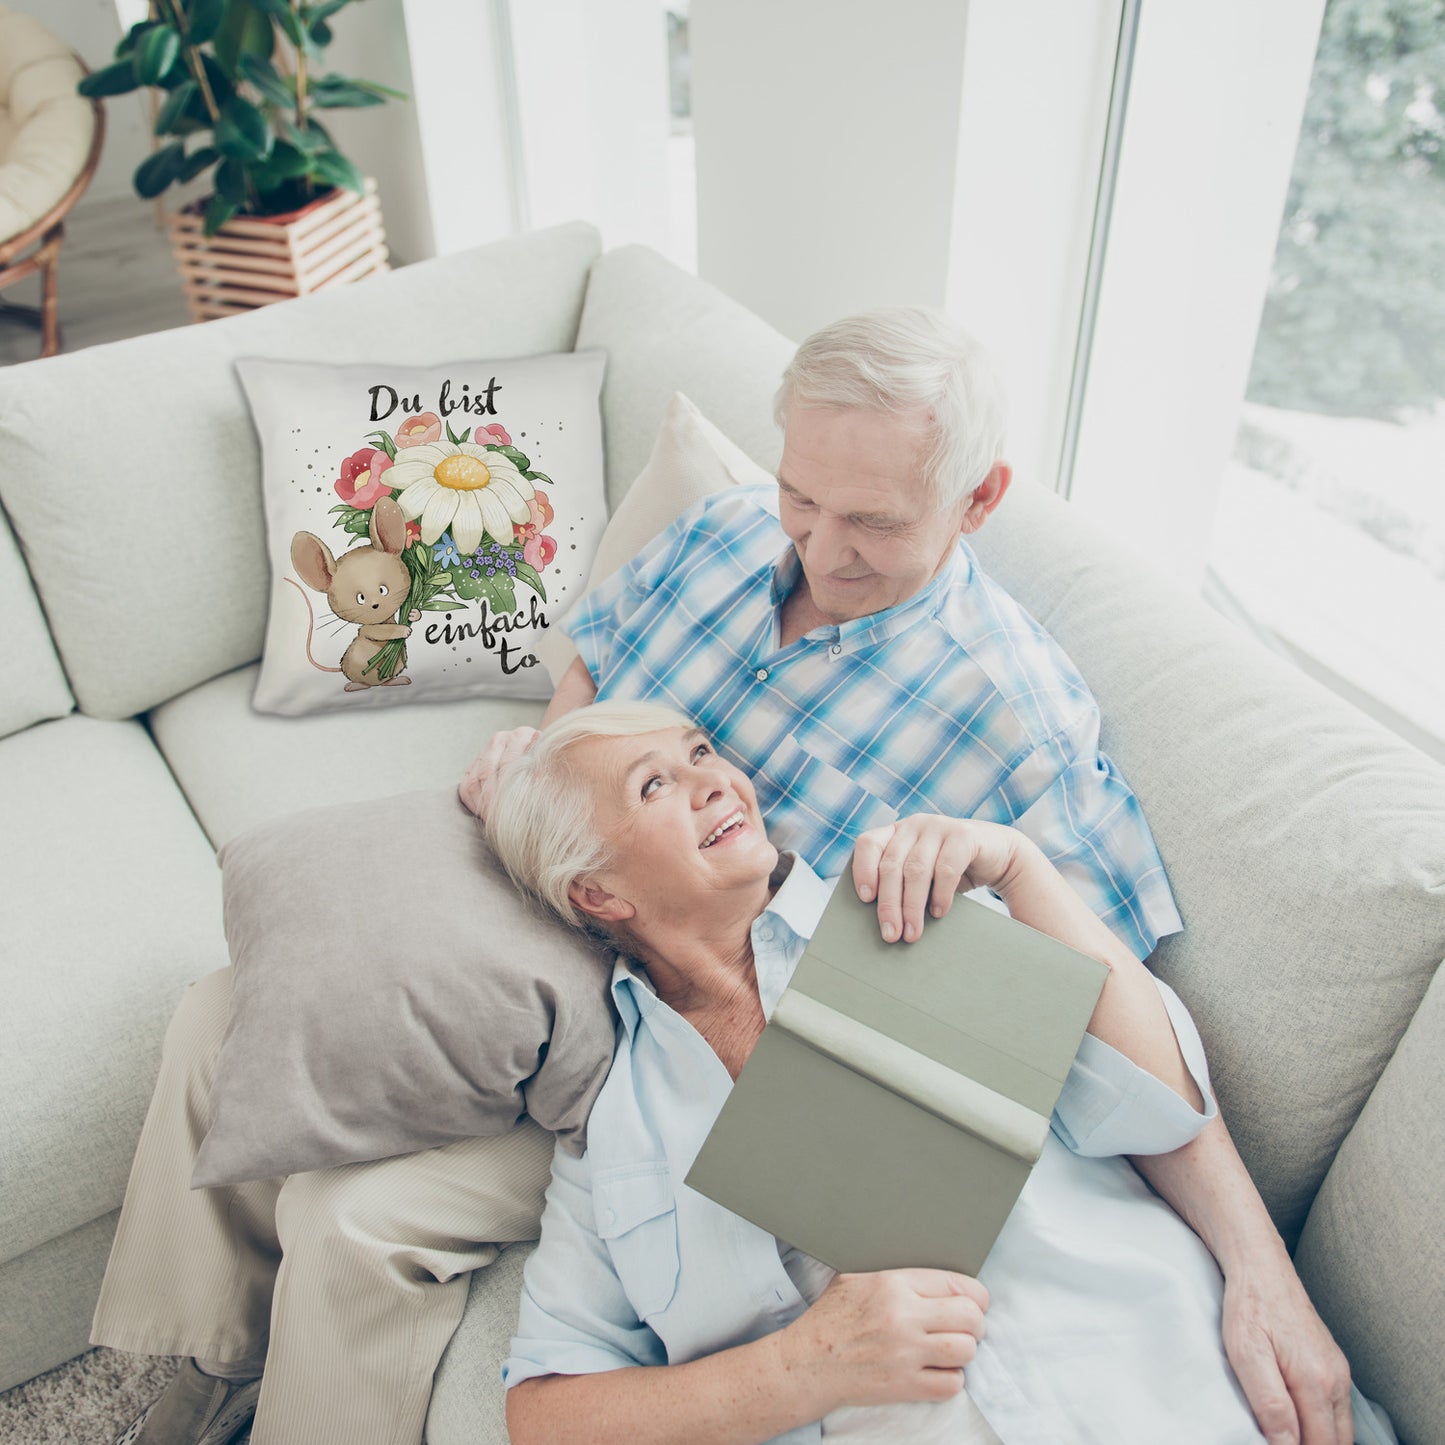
(779, 933)
(878, 626)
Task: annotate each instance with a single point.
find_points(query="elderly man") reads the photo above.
(839, 641)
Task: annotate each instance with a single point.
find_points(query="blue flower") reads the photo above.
(444, 554)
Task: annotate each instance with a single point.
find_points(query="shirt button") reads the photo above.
(761, 674)
(836, 648)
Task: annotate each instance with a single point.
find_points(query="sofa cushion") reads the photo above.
(1301, 840)
(239, 768)
(110, 906)
(1372, 1254)
(35, 687)
(143, 450)
(665, 331)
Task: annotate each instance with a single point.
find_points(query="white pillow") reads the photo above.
(691, 459)
(462, 502)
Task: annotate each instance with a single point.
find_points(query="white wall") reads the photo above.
(827, 145)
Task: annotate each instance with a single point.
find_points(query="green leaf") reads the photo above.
(175, 105)
(218, 212)
(231, 181)
(242, 132)
(529, 574)
(539, 477)
(203, 19)
(358, 524)
(131, 38)
(287, 162)
(319, 34)
(379, 89)
(197, 161)
(313, 140)
(384, 442)
(333, 92)
(157, 52)
(278, 89)
(117, 79)
(322, 11)
(518, 459)
(333, 168)
(244, 31)
(454, 438)
(157, 171)
(222, 86)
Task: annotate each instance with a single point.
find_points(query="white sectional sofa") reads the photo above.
(1306, 846)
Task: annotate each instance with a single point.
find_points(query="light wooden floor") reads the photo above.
(117, 279)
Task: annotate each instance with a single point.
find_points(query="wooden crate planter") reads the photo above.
(255, 260)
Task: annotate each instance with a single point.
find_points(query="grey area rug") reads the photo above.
(86, 1402)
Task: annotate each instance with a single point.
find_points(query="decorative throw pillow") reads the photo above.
(691, 459)
(359, 1031)
(426, 526)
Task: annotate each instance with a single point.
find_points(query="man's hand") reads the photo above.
(1295, 1377)
(476, 786)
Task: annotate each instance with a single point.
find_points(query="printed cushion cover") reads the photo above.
(359, 1030)
(425, 526)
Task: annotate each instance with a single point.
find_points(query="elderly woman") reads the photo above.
(654, 1314)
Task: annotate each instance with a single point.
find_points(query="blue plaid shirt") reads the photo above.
(955, 702)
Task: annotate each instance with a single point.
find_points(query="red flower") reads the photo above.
(539, 551)
(419, 430)
(360, 483)
(494, 435)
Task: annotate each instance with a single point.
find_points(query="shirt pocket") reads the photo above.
(816, 808)
(637, 1218)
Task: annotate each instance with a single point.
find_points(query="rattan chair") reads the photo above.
(50, 139)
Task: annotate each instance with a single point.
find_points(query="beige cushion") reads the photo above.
(392, 993)
(169, 459)
(110, 905)
(1373, 1250)
(47, 130)
(35, 687)
(691, 459)
(664, 331)
(1302, 842)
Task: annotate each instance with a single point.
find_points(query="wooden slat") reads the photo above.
(339, 225)
(316, 268)
(197, 256)
(373, 261)
(210, 278)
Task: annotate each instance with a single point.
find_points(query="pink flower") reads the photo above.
(538, 551)
(413, 533)
(360, 483)
(494, 435)
(419, 430)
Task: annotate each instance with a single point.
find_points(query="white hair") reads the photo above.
(542, 822)
(908, 360)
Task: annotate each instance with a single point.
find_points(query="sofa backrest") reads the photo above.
(35, 688)
(131, 472)
(1302, 840)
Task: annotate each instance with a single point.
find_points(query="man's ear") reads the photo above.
(986, 496)
(596, 902)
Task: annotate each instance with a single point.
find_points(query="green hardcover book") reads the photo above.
(900, 1094)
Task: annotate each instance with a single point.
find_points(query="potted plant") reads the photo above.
(240, 84)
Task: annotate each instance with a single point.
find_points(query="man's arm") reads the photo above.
(575, 690)
(1295, 1377)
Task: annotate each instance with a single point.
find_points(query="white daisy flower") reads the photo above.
(463, 489)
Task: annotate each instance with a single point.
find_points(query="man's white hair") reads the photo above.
(908, 360)
(542, 823)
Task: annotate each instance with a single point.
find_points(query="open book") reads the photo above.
(892, 1109)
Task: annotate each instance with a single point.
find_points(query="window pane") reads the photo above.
(1330, 532)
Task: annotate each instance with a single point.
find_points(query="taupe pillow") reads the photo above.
(393, 992)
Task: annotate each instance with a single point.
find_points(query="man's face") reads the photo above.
(852, 499)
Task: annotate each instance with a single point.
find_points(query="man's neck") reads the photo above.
(799, 614)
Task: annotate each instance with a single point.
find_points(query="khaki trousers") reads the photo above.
(350, 1281)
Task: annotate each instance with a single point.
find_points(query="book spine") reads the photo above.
(953, 1097)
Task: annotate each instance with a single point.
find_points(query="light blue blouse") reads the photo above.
(1105, 1316)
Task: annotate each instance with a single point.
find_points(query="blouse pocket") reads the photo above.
(637, 1216)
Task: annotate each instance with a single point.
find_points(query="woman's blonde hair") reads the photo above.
(542, 822)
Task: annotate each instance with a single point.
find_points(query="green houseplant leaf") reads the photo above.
(333, 92)
(157, 171)
(173, 113)
(242, 132)
(243, 31)
(218, 212)
(203, 19)
(333, 168)
(198, 161)
(117, 79)
(158, 50)
(278, 89)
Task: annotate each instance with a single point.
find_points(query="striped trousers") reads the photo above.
(348, 1281)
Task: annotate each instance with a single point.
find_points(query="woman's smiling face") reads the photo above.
(681, 824)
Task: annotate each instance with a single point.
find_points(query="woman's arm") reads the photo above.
(903, 1334)
(917, 865)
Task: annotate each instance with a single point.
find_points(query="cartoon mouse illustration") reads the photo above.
(367, 585)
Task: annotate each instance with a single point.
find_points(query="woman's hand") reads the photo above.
(479, 781)
(897, 1335)
(918, 864)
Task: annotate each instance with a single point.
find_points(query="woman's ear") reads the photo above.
(596, 902)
